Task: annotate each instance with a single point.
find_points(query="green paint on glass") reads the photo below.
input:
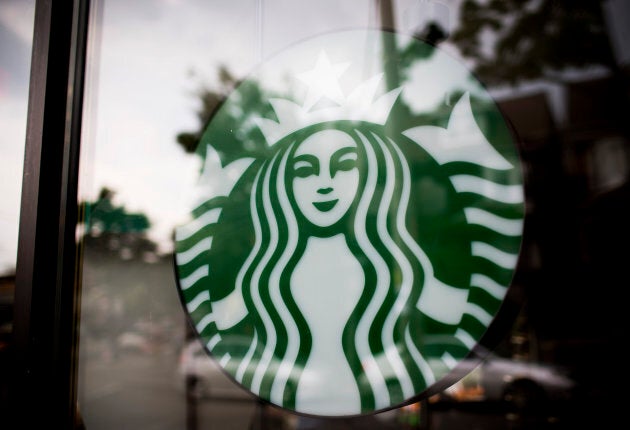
(350, 243)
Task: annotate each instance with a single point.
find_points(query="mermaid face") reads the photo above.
(326, 176)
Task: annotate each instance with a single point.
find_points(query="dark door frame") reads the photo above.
(46, 308)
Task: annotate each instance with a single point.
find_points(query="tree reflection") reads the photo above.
(532, 38)
(113, 228)
(125, 306)
(240, 136)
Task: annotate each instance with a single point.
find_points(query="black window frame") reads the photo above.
(47, 293)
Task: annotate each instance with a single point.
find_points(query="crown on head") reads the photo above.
(362, 104)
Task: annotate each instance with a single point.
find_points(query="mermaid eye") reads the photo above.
(305, 166)
(343, 160)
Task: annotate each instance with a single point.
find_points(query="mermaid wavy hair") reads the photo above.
(387, 365)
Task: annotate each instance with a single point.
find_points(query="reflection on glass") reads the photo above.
(164, 70)
(145, 60)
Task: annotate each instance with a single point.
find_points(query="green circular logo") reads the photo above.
(356, 224)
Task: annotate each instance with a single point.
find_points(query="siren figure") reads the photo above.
(334, 307)
(334, 275)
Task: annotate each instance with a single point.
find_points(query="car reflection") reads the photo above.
(519, 386)
(490, 389)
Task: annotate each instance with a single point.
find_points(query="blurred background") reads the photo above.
(559, 72)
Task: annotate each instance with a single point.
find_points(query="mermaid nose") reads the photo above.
(326, 190)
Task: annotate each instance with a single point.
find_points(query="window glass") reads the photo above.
(16, 39)
(160, 71)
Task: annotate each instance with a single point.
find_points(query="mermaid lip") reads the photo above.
(325, 206)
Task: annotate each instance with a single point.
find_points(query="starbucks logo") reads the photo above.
(350, 243)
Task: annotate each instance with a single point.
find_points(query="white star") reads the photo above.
(323, 81)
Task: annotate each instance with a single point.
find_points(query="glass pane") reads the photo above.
(533, 97)
(16, 39)
(149, 63)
